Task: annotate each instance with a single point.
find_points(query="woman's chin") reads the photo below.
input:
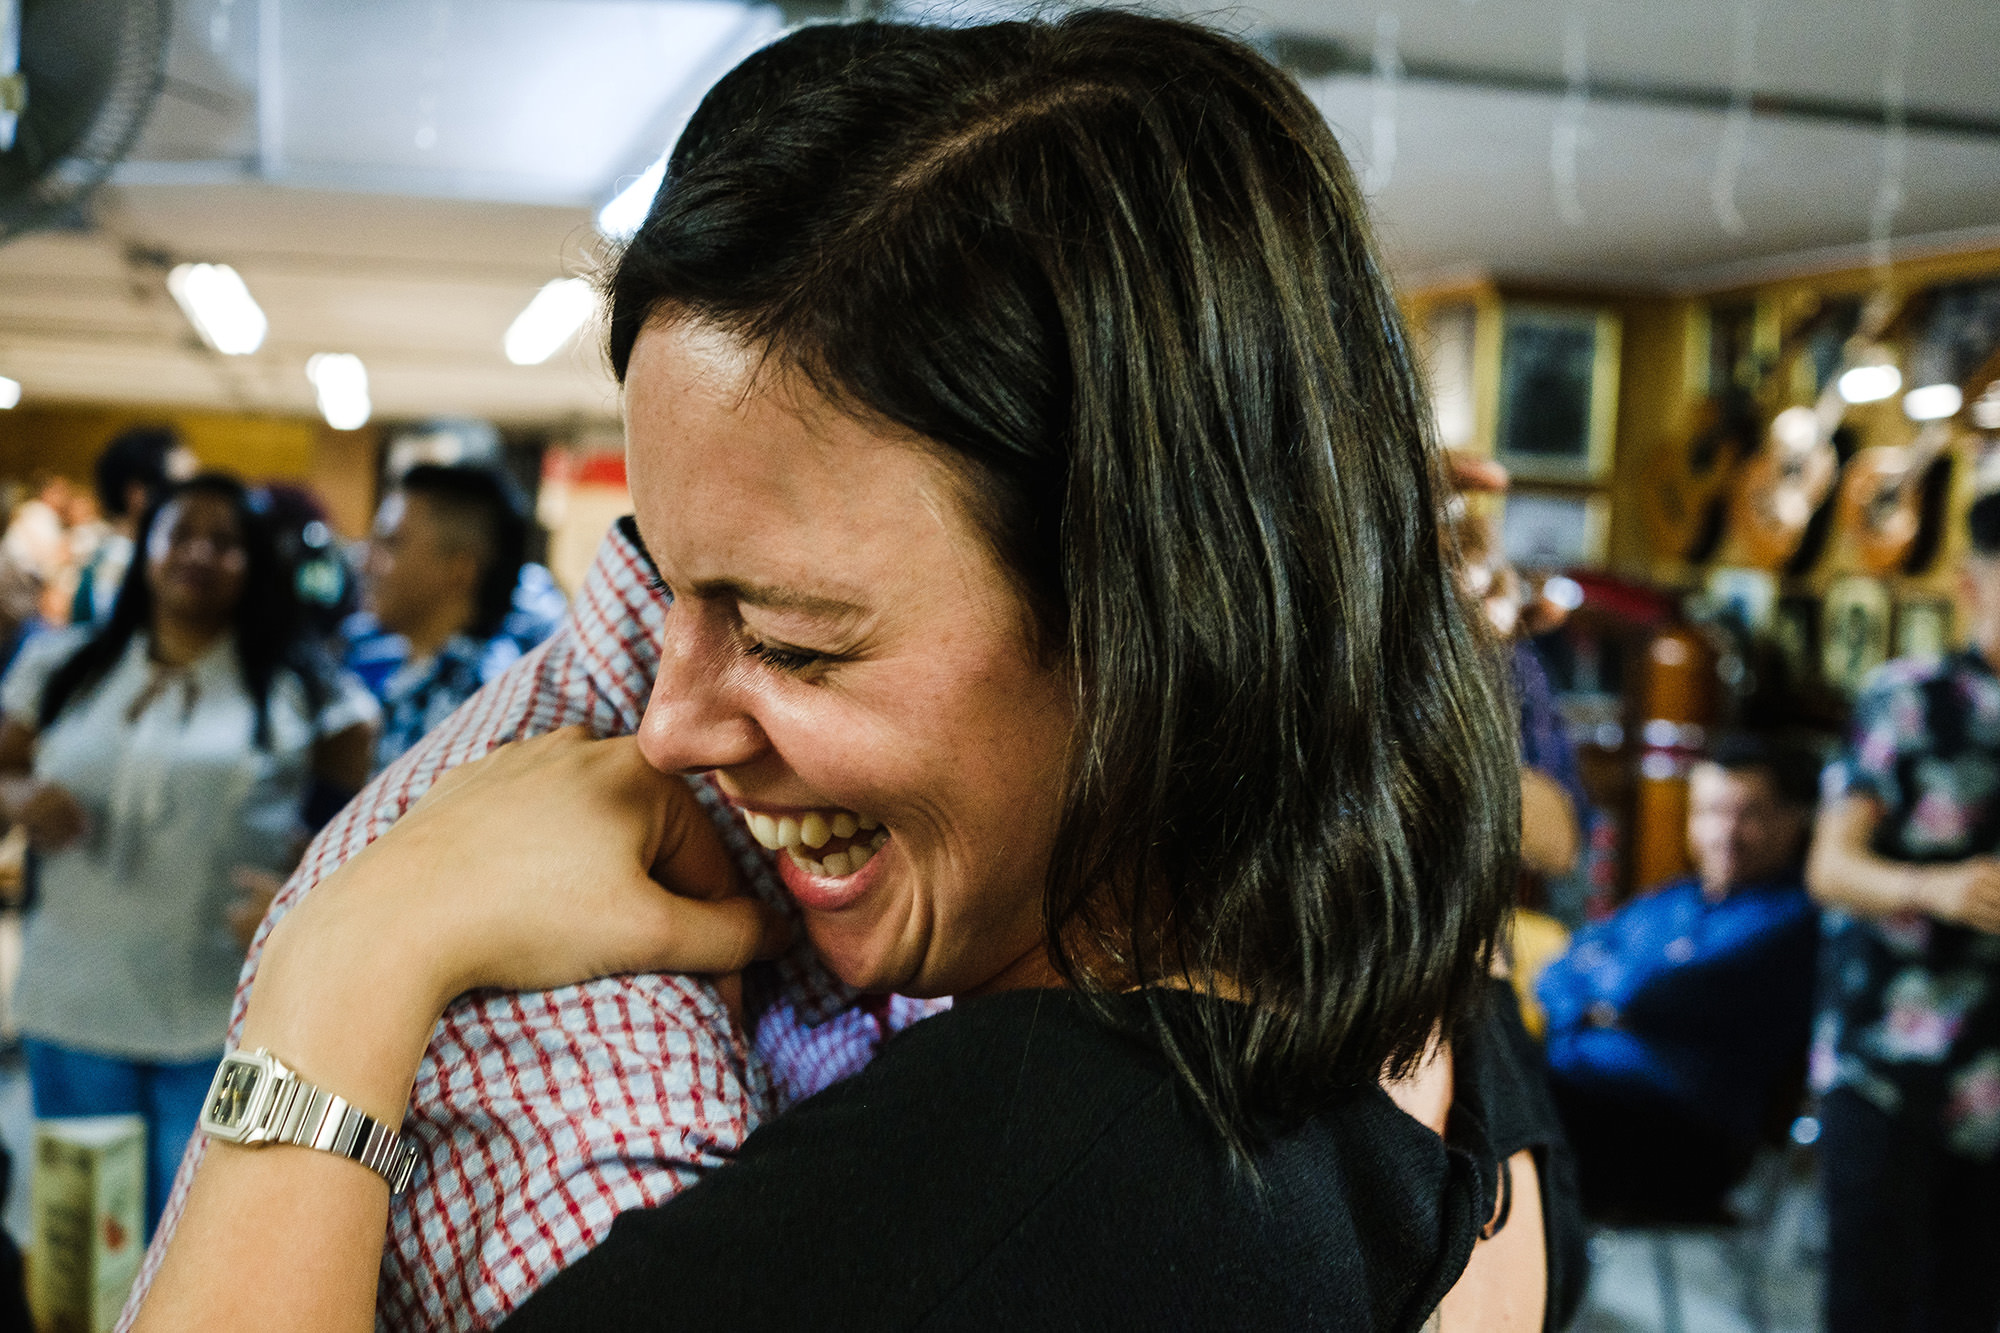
(881, 961)
(860, 960)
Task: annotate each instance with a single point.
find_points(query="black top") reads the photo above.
(1016, 1163)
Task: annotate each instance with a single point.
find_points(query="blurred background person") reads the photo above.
(20, 591)
(1906, 1056)
(37, 544)
(1555, 809)
(535, 612)
(328, 589)
(443, 566)
(1678, 1025)
(312, 561)
(152, 756)
(131, 475)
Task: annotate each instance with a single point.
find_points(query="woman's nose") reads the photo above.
(694, 721)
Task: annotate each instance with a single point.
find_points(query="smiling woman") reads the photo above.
(1107, 284)
(843, 649)
(1029, 445)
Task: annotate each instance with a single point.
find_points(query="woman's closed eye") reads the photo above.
(783, 657)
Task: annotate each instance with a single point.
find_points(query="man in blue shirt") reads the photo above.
(1676, 1024)
(439, 588)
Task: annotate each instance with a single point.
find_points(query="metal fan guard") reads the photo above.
(140, 70)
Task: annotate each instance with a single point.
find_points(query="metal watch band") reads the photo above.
(256, 1100)
(314, 1118)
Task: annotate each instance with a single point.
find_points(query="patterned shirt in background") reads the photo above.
(1545, 742)
(1910, 1006)
(416, 697)
(540, 1117)
(1586, 892)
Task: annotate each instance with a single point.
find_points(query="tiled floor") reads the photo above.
(1624, 1294)
(1625, 1280)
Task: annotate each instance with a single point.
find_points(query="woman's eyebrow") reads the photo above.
(775, 597)
(770, 596)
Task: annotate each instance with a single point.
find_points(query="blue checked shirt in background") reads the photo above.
(417, 696)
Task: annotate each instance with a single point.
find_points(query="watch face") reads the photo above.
(230, 1099)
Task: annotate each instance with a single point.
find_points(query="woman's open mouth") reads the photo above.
(829, 844)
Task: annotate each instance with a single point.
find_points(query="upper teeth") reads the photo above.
(799, 834)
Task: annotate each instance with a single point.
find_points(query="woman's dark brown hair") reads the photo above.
(1117, 268)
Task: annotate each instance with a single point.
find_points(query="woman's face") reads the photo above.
(195, 559)
(847, 655)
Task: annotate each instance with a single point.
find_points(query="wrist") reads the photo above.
(349, 1019)
(1924, 889)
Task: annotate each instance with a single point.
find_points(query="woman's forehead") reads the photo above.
(731, 466)
(707, 364)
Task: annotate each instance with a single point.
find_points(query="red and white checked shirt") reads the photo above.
(540, 1117)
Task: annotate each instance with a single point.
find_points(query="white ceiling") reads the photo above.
(1473, 187)
(1830, 48)
(396, 179)
(1473, 182)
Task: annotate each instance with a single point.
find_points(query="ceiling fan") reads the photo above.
(77, 81)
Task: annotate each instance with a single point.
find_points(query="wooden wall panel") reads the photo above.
(339, 466)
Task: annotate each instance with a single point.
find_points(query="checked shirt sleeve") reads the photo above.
(540, 1117)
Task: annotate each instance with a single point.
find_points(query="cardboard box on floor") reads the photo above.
(89, 1197)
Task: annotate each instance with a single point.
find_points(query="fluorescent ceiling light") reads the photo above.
(1933, 402)
(1870, 384)
(342, 382)
(621, 218)
(550, 320)
(10, 392)
(219, 306)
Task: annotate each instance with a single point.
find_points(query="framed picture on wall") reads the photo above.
(1449, 345)
(1854, 631)
(1923, 628)
(1558, 405)
(1553, 529)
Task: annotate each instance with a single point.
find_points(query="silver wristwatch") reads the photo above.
(255, 1100)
